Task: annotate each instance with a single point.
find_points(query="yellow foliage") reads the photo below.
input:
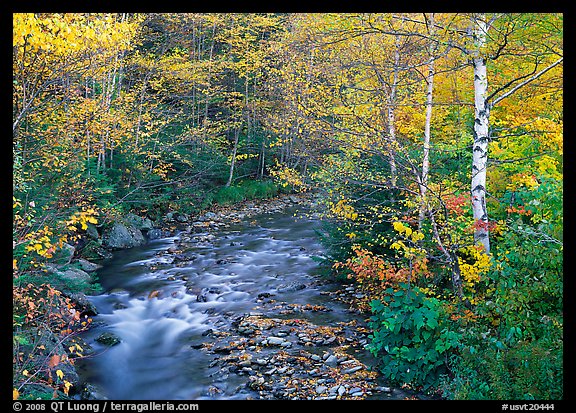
(343, 210)
(288, 176)
(522, 180)
(41, 243)
(82, 218)
(472, 273)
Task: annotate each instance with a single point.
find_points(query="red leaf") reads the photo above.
(54, 361)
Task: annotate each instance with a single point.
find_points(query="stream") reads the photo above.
(234, 312)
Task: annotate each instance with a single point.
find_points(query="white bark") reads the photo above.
(481, 130)
(392, 111)
(425, 157)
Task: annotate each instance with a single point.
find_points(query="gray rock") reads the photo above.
(182, 218)
(321, 389)
(352, 370)
(143, 224)
(332, 360)
(341, 390)
(92, 231)
(70, 280)
(120, 236)
(221, 348)
(384, 389)
(88, 266)
(275, 341)
(154, 234)
(108, 339)
(291, 287)
(91, 392)
(83, 304)
(329, 340)
(63, 255)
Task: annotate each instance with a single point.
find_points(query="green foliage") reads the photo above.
(530, 370)
(245, 190)
(410, 337)
(514, 348)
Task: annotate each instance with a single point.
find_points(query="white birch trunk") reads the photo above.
(425, 157)
(392, 111)
(480, 146)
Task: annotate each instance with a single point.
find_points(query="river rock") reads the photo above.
(275, 341)
(179, 217)
(88, 266)
(210, 216)
(352, 370)
(92, 392)
(63, 255)
(68, 279)
(332, 360)
(143, 224)
(291, 287)
(83, 304)
(108, 339)
(92, 231)
(154, 234)
(120, 236)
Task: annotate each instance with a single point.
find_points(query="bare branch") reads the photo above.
(524, 83)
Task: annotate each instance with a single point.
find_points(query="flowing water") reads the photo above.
(159, 310)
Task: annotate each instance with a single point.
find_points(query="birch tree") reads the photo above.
(483, 104)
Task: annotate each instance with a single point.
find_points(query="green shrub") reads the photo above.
(244, 190)
(409, 337)
(528, 370)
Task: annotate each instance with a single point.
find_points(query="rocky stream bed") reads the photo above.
(229, 305)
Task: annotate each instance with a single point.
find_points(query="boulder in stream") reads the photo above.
(121, 235)
(108, 339)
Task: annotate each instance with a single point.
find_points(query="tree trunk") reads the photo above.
(236, 136)
(481, 137)
(392, 112)
(425, 157)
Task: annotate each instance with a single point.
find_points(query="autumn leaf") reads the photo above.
(54, 361)
(153, 294)
(60, 374)
(15, 394)
(67, 386)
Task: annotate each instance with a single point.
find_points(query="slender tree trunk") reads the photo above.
(262, 160)
(392, 111)
(209, 79)
(481, 138)
(425, 157)
(234, 151)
